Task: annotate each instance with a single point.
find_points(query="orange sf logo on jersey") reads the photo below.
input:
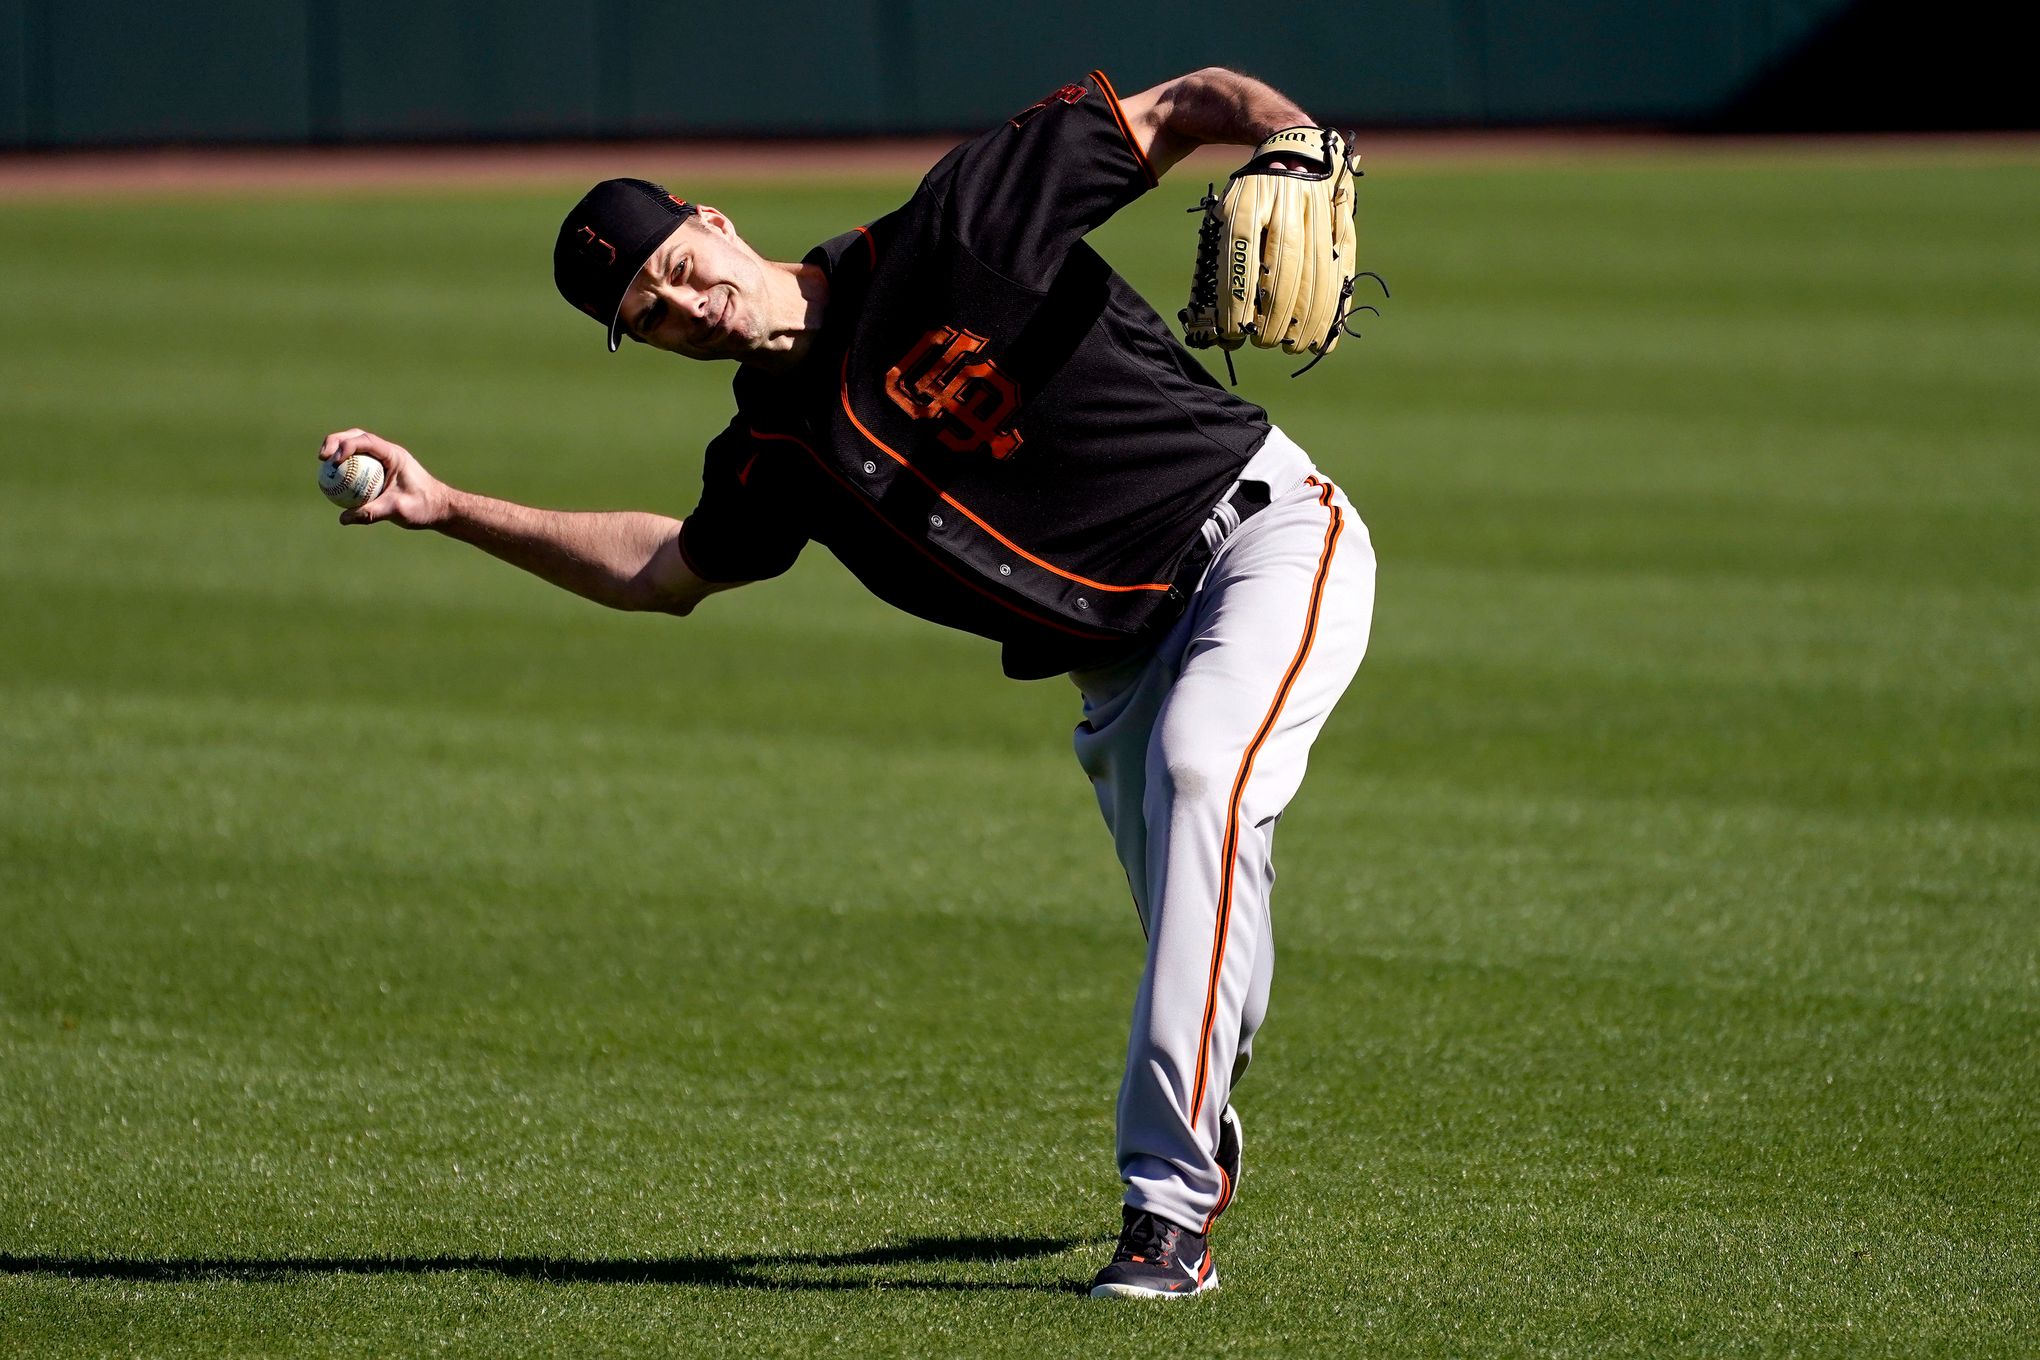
(942, 378)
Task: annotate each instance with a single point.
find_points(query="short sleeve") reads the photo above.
(748, 526)
(1018, 197)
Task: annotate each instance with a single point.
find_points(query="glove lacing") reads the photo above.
(1343, 314)
(1204, 281)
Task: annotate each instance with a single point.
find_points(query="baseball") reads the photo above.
(352, 481)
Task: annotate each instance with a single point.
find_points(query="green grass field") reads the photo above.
(397, 955)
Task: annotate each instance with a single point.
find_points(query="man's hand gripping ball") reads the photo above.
(398, 490)
(1277, 257)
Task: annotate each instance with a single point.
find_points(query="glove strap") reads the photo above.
(1319, 144)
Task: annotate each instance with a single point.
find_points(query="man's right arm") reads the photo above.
(625, 559)
(1174, 118)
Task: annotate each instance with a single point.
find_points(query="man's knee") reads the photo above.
(1194, 783)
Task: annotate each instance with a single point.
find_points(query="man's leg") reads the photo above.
(1272, 640)
(1121, 704)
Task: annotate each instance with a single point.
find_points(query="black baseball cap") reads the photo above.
(607, 238)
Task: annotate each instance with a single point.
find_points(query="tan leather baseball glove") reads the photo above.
(1277, 256)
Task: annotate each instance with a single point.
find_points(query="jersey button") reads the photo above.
(870, 466)
(935, 521)
(1005, 570)
(1083, 603)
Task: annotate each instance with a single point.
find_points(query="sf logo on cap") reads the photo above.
(589, 242)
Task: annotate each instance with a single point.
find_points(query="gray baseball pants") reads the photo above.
(1194, 749)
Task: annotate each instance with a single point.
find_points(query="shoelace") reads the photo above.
(1149, 1239)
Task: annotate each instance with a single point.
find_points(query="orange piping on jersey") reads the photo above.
(1042, 620)
(966, 511)
(1125, 129)
(1231, 845)
(869, 245)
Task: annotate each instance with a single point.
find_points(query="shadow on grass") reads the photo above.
(866, 1269)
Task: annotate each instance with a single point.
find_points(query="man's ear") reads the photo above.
(713, 219)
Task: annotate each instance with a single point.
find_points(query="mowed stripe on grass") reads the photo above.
(400, 954)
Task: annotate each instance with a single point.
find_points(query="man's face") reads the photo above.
(701, 294)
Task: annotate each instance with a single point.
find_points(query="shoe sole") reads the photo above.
(1134, 1291)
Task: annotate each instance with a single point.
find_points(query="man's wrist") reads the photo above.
(447, 509)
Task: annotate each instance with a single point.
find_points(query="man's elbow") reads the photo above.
(680, 597)
(653, 600)
(668, 584)
(1180, 115)
(1203, 85)
(647, 595)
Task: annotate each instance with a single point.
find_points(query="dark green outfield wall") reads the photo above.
(98, 72)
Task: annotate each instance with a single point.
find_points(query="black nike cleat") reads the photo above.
(1156, 1259)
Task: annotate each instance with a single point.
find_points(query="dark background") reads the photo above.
(112, 73)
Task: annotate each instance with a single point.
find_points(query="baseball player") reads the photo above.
(990, 428)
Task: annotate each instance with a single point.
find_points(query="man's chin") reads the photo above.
(730, 344)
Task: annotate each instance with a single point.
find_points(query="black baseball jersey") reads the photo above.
(992, 430)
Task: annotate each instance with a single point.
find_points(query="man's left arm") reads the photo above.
(1174, 118)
